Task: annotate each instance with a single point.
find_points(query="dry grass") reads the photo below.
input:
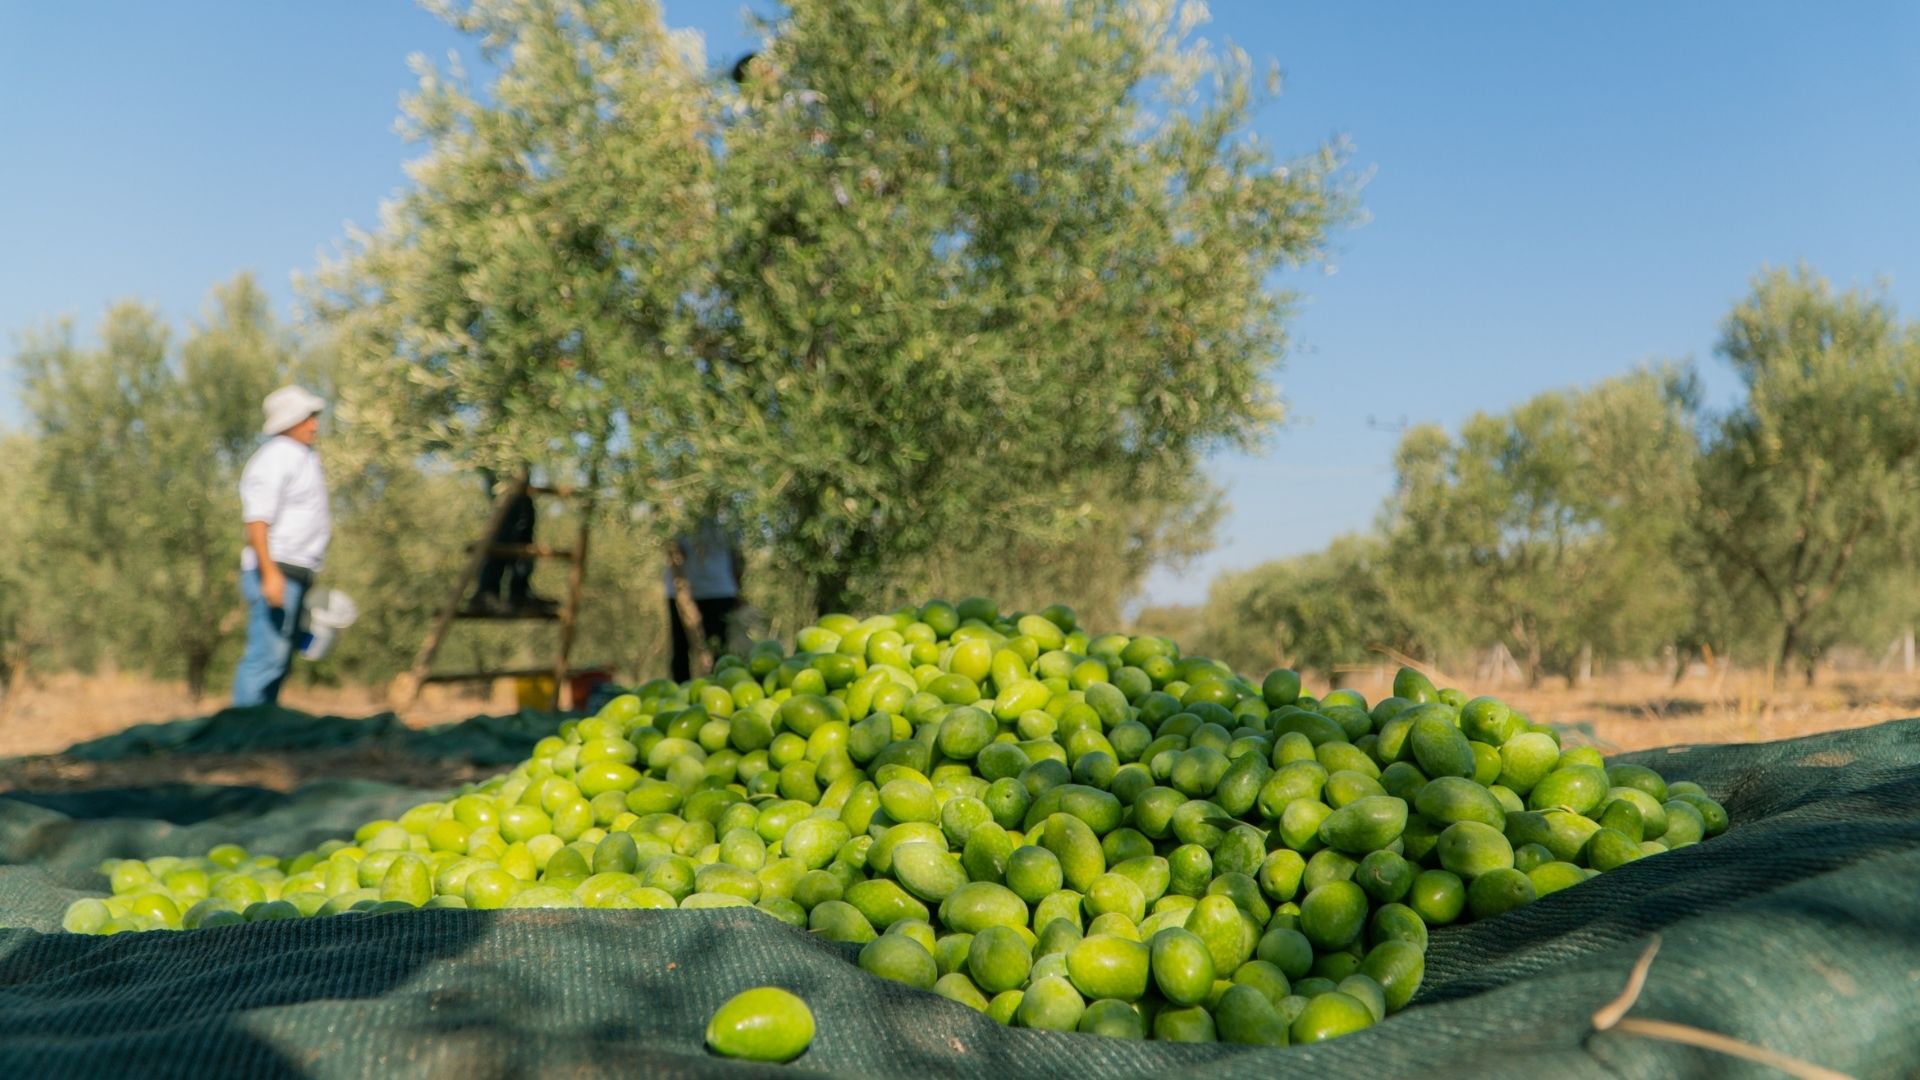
(53, 713)
(1636, 711)
(1625, 712)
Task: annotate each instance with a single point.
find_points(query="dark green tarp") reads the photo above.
(485, 740)
(1797, 930)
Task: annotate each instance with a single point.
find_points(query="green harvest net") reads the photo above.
(1797, 930)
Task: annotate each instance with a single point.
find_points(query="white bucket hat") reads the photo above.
(288, 406)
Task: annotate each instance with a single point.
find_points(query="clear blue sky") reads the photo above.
(1557, 192)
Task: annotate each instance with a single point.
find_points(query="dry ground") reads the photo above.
(1622, 712)
(47, 717)
(51, 714)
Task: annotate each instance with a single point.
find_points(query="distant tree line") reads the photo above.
(1627, 521)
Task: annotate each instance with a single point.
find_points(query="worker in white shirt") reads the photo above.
(283, 504)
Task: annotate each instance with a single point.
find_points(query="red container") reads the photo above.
(581, 683)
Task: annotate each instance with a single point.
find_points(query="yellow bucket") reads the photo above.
(533, 691)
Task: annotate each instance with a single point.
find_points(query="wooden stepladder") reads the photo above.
(406, 687)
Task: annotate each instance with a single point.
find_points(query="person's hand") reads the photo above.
(273, 585)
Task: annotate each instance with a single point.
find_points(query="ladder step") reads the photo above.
(525, 551)
(508, 616)
(505, 673)
(405, 688)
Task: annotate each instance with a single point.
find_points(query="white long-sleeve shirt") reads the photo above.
(284, 486)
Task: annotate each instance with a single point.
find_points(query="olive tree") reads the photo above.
(1808, 485)
(1315, 612)
(1551, 528)
(138, 448)
(920, 280)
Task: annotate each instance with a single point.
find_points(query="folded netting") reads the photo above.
(1797, 930)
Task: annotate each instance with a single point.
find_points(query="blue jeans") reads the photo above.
(270, 631)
